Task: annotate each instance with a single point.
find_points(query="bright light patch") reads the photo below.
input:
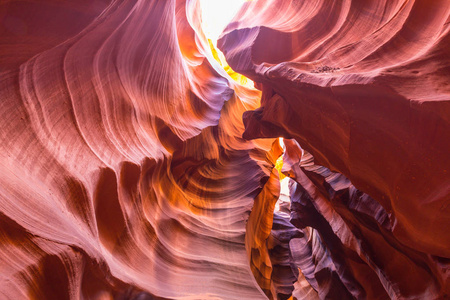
(279, 162)
(216, 14)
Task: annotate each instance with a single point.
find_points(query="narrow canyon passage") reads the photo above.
(206, 149)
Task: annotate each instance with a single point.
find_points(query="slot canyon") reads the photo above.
(297, 149)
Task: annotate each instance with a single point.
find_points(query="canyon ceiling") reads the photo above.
(310, 161)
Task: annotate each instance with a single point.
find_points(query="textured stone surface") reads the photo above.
(132, 166)
(123, 167)
(363, 87)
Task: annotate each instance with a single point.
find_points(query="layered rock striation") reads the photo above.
(123, 169)
(133, 166)
(363, 87)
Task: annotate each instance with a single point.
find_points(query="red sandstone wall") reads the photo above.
(133, 167)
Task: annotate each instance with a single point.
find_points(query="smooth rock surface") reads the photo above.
(364, 87)
(123, 169)
(134, 166)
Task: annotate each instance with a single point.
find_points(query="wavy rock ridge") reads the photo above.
(134, 167)
(123, 166)
(363, 87)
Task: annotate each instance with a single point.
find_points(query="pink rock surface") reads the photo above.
(123, 169)
(133, 167)
(362, 86)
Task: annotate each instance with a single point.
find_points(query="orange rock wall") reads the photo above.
(363, 87)
(132, 166)
(123, 168)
